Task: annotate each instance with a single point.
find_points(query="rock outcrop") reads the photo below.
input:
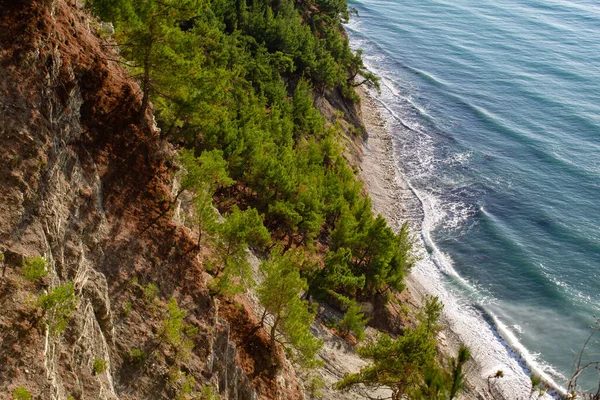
(86, 186)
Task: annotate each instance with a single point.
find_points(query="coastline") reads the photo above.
(396, 202)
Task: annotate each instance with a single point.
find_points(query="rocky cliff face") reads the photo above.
(85, 185)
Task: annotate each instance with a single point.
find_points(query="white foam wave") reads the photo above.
(459, 213)
(459, 158)
(493, 345)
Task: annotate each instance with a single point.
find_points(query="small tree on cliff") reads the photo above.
(151, 38)
(240, 230)
(202, 176)
(406, 365)
(397, 364)
(279, 294)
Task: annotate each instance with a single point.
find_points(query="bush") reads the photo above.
(34, 268)
(58, 305)
(151, 292)
(100, 366)
(21, 394)
(175, 332)
(208, 393)
(138, 356)
(181, 383)
(127, 307)
(354, 322)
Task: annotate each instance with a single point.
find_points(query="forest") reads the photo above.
(233, 84)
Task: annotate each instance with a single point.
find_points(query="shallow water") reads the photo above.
(495, 111)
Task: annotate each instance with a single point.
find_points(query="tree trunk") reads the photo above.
(273, 341)
(199, 237)
(145, 83)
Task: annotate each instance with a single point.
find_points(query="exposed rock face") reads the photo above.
(86, 186)
(233, 383)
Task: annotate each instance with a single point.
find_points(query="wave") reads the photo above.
(493, 344)
(505, 124)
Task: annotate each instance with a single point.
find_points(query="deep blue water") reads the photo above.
(495, 111)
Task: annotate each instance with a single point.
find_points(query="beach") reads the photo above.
(393, 198)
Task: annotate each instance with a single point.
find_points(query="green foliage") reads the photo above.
(397, 364)
(175, 332)
(203, 176)
(154, 43)
(151, 292)
(34, 268)
(204, 216)
(191, 176)
(208, 393)
(367, 257)
(213, 169)
(58, 306)
(127, 306)
(234, 82)
(407, 365)
(99, 366)
(138, 356)
(240, 230)
(181, 384)
(457, 377)
(21, 393)
(354, 321)
(433, 387)
(314, 386)
(430, 314)
(291, 317)
(207, 172)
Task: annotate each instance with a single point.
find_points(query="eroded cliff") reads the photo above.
(87, 186)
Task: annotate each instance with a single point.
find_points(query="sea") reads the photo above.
(494, 111)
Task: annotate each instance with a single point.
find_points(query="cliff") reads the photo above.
(121, 307)
(86, 186)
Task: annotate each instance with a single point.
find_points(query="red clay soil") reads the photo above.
(254, 354)
(253, 345)
(130, 157)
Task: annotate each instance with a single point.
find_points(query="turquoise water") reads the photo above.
(495, 112)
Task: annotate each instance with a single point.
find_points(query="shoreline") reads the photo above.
(393, 198)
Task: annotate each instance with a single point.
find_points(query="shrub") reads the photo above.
(208, 393)
(100, 366)
(58, 305)
(175, 332)
(151, 292)
(314, 386)
(354, 321)
(138, 356)
(21, 394)
(34, 268)
(127, 308)
(181, 383)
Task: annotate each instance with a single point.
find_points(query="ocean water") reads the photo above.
(494, 108)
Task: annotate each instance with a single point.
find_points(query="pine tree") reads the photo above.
(457, 377)
(153, 42)
(397, 364)
(291, 317)
(354, 322)
(240, 230)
